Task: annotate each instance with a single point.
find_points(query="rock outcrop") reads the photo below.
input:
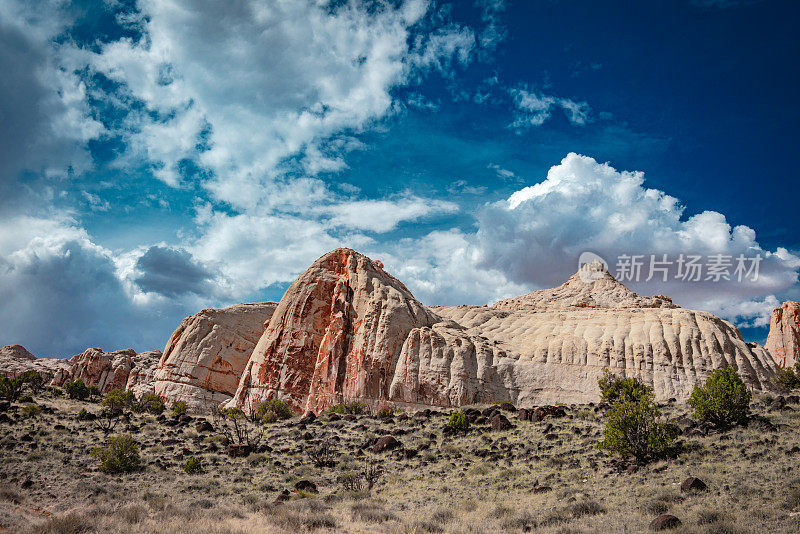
(16, 359)
(783, 341)
(205, 356)
(124, 369)
(109, 370)
(16, 352)
(346, 329)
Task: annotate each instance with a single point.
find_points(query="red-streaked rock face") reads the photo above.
(783, 341)
(205, 356)
(336, 335)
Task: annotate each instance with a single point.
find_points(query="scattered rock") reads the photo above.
(204, 426)
(693, 484)
(501, 423)
(306, 486)
(307, 418)
(665, 522)
(385, 443)
(239, 451)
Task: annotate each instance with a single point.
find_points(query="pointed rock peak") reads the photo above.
(350, 264)
(593, 286)
(16, 351)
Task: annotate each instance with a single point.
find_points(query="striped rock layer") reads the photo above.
(348, 330)
(783, 341)
(205, 356)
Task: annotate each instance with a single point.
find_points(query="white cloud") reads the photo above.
(534, 109)
(534, 238)
(385, 215)
(274, 93)
(46, 121)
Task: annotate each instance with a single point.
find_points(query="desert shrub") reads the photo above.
(77, 390)
(371, 512)
(151, 403)
(723, 400)
(118, 400)
(615, 388)
(323, 455)
(385, 411)
(788, 377)
(11, 388)
(634, 429)
(82, 414)
(33, 380)
(193, 465)
(107, 419)
(337, 409)
(237, 428)
(281, 409)
(32, 411)
(269, 417)
(94, 392)
(26, 398)
(458, 421)
(179, 407)
(119, 455)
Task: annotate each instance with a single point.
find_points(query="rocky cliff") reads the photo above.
(346, 329)
(122, 369)
(205, 356)
(783, 341)
(109, 370)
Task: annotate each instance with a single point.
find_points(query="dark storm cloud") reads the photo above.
(171, 272)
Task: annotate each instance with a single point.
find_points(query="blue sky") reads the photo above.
(161, 157)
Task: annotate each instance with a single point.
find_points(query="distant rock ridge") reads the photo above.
(346, 329)
(783, 340)
(205, 356)
(120, 369)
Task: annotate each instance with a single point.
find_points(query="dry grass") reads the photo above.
(514, 481)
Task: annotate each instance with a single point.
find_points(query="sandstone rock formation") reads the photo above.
(109, 370)
(346, 329)
(123, 369)
(17, 352)
(16, 359)
(783, 341)
(205, 356)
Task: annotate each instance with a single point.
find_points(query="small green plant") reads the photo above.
(788, 378)
(634, 429)
(614, 388)
(458, 421)
(82, 414)
(77, 390)
(26, 399)
(722, 400)
(151, 403)
(33, 380)
(281, 409)
(118, 400)
(269, 417)
(193, 465)
(11, 388)
(385, 411)
(337, 409)
(32, 410)
(94, 392)
(179, 407)
(119, 455)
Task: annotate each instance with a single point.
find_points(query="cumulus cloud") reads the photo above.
(534, 238)
(269, 97)
(45, 121)
(385, 215)
(60, 292)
